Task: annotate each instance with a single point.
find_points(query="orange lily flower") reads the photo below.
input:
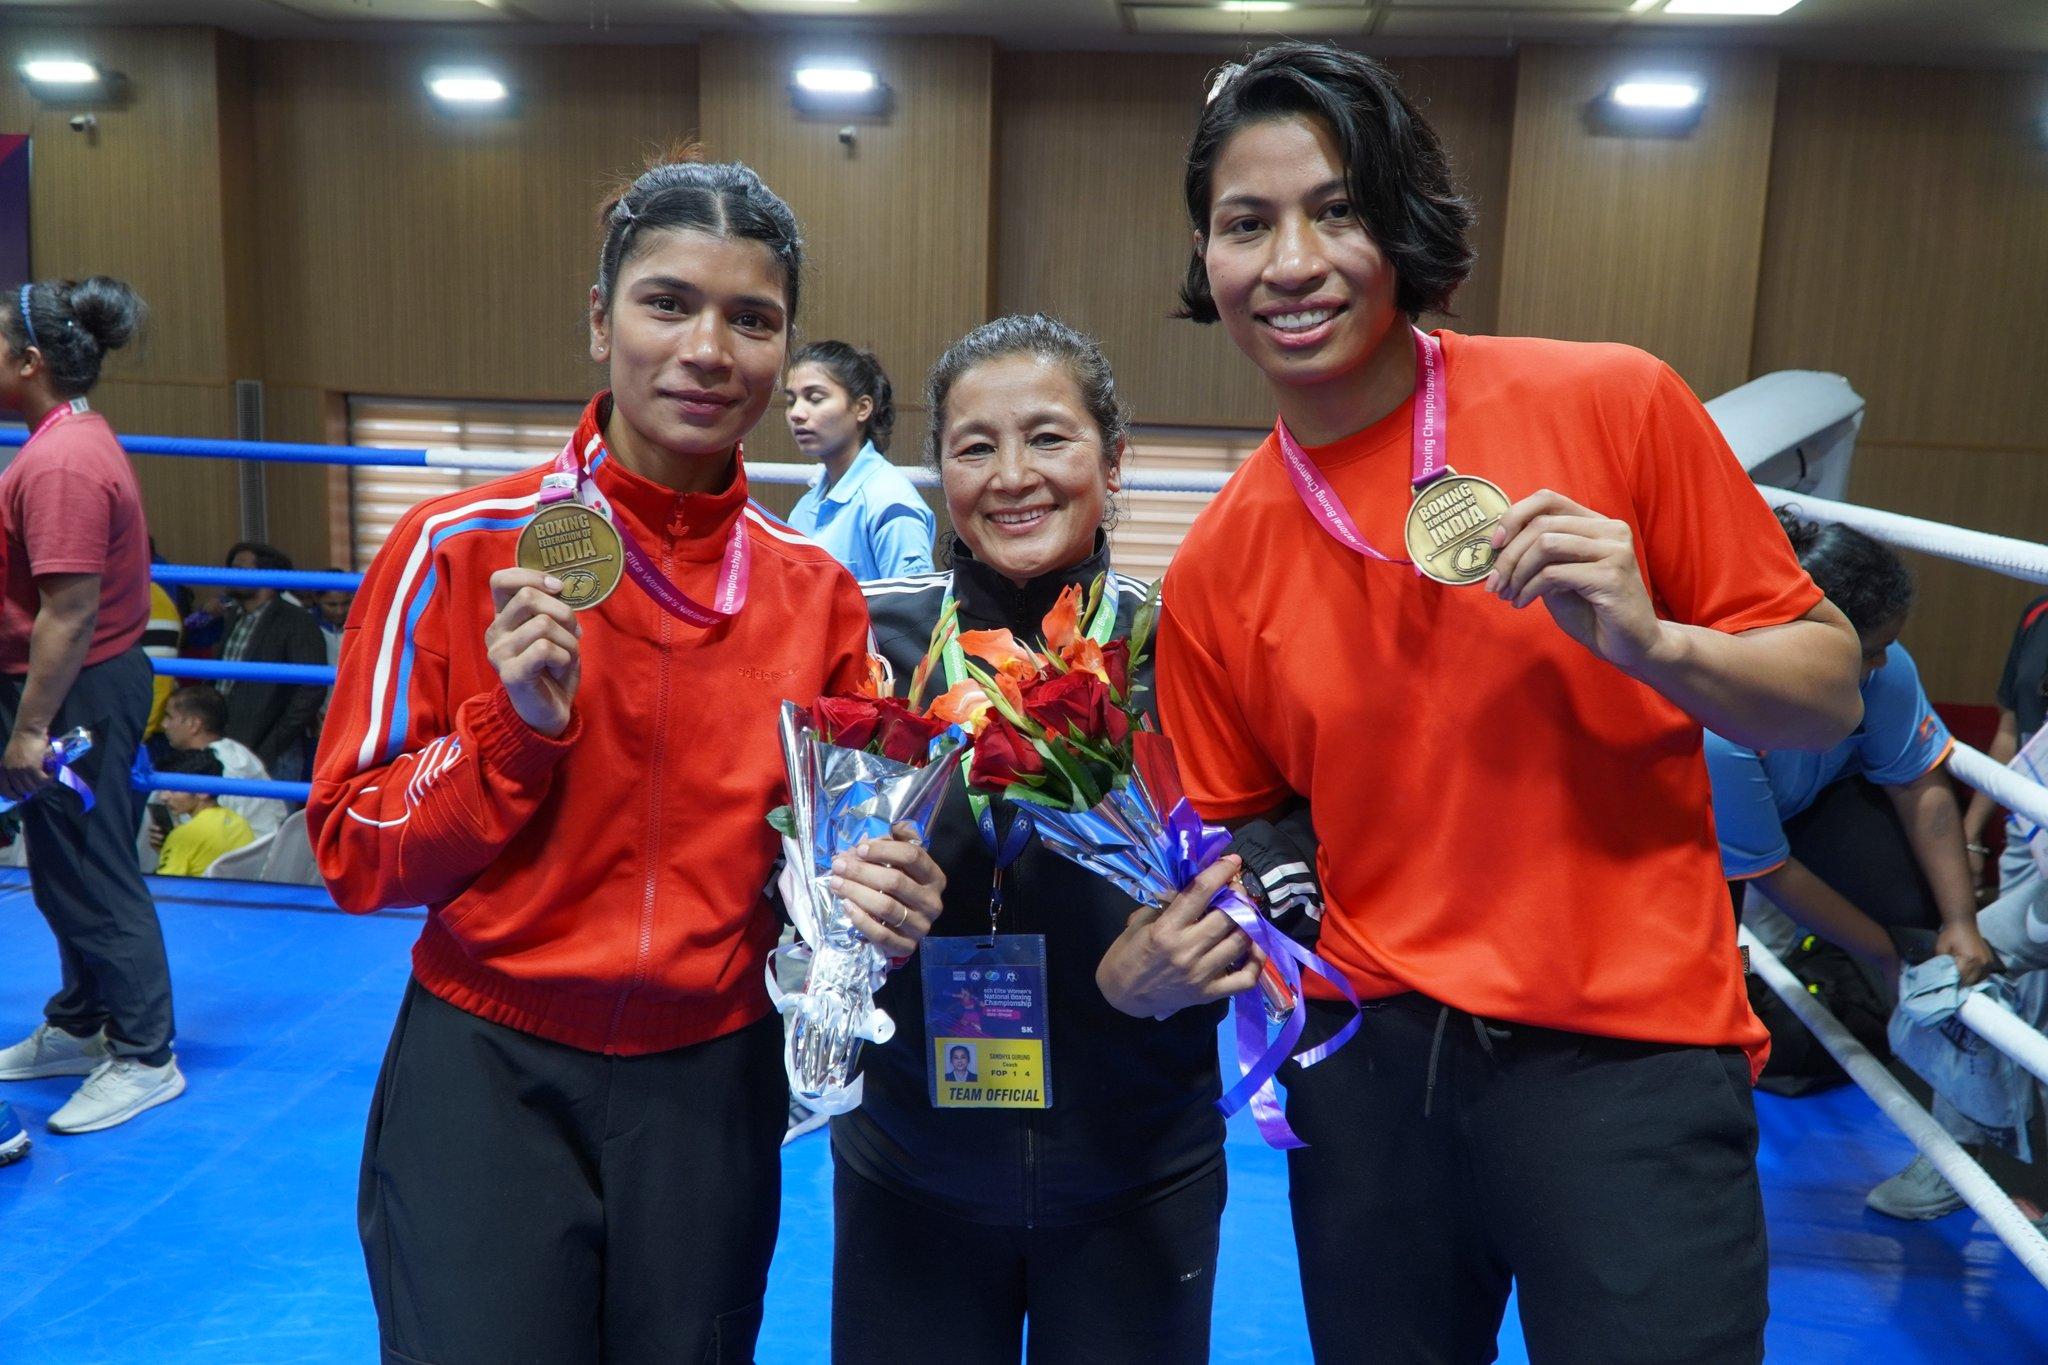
(1062, 625)
(1084, 653)
(964, 704)
(1000, 649)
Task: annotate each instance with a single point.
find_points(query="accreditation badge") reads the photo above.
(985, 1026)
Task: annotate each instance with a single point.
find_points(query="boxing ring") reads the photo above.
(1794, 431)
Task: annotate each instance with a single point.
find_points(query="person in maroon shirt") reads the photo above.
(74, 601)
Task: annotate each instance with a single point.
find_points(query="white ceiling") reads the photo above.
(1998, 32)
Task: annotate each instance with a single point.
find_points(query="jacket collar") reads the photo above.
(989, 601)
(863, 467)
(699, 522)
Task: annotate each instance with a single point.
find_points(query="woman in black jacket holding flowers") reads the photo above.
(1092, 1206)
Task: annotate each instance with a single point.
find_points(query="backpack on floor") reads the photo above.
(1799, 1065)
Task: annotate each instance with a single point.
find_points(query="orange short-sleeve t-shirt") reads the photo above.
(1508, 824)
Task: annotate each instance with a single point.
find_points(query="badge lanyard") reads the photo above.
(56, 415)
(570, 479)
(1010, 846)
(1451, 520)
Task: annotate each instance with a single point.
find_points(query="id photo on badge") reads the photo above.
(960, 1064)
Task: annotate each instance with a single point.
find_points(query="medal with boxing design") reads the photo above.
(1449, 529)
(578, 547)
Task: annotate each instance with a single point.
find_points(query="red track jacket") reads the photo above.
(604, 889)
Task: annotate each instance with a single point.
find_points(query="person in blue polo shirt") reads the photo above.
(1858, 842)
(861, 508)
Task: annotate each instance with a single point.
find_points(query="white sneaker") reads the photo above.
(52, 1052)
(1918, 1192)
(118, 1089)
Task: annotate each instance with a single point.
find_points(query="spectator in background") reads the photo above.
(1861, 844)
(205, 829)
(162, 638)
(196, 721)
(333, 606)
(273, 719)
(2022, 702)
(864, 510)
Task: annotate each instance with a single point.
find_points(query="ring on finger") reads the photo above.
(902, 917)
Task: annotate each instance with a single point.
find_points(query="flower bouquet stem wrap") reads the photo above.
(1058, 732)
(1150, 853)
(839, 797)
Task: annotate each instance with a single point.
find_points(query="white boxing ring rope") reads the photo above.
(1978, 1189)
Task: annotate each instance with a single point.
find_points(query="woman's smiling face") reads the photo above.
(1026, 478)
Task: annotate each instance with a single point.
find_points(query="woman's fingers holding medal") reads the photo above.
(891, 889)
(1583, 566)
(535, 645)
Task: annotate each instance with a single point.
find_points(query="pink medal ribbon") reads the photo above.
(570, 479)
(1426, 461)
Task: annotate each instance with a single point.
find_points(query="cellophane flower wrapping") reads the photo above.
(838, 798)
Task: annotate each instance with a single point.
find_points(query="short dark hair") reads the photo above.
(1864, 578)
(269, 559)
(958, 1047)
(201, 702)
(683, 193)
(192, 763)
(861, 375)
(1400, 177)
(74, 323)
(1046, 338)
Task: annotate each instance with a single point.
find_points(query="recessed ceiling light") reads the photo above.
(60, 71)
(1763, 9)
(835, 79)
(466, 87)
(1656, 92)
(1256, 6)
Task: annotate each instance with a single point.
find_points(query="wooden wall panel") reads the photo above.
(138, 198)
(405, 251)
(193, 506)
(898, 227)
(1655, 241)
(1906, 247)
(1091, 225)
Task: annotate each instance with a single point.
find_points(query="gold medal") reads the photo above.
(577, 546)
(1449, 527)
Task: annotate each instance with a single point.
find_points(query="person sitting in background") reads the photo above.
(195, 720)
(332, 607)
(162, 638)
(862, 509)
(2022, 703)
(272, 719)
(1863, 841)
(205, 829)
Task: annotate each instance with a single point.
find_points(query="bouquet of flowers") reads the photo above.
(1057, 731)
(857, 766)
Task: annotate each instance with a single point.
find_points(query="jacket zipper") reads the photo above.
(1010, 880)
(644, 948)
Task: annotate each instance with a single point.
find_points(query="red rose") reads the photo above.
(1003, 756)
(849, 722)
(1067, 703)
(904, 735)
(1116, 661)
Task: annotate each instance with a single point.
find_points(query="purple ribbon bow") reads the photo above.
(1192, 847)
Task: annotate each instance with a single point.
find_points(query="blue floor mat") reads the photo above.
(221, 1228)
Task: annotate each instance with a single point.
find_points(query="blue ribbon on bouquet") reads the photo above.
(1192, 847)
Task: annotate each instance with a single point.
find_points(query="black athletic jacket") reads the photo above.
(1132, 1115)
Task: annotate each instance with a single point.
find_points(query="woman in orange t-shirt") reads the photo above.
(1552, 1086)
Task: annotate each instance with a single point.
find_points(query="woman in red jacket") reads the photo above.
(572, 1152)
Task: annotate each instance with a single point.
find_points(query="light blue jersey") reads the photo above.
(873, 520)
(1899, 741)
